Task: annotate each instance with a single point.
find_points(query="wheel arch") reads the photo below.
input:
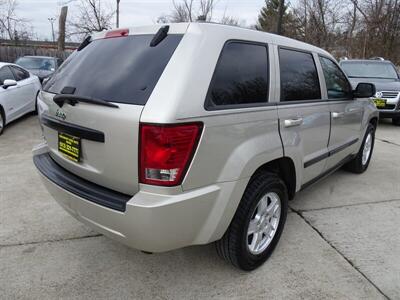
(374, 121)
(286, 170)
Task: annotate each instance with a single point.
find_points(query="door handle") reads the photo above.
(354, 110)
(337, 115)
(293, 122)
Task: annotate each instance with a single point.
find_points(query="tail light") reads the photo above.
(166, 152)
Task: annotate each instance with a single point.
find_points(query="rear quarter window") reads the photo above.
(240, 78)
(122, 70)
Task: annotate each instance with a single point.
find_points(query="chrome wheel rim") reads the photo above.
(367, 149)
(263, 223)
(1, 123)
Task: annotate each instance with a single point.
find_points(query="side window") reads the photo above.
(337, 85)
(240, 77)
(299, 77)
(5, 73)
(19, 73)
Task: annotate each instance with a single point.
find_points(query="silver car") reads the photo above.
(162, 137)
(18, 92)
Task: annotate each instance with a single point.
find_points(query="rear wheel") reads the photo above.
(258, 223)
(361, 162)
(396, 121)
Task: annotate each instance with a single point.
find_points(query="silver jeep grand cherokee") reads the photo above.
(162, 137)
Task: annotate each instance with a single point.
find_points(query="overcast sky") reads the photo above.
(133, 12)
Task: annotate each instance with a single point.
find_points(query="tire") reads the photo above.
(2, 121)
(35, 112)
(359, 165)
(234, 245)
(396, 121)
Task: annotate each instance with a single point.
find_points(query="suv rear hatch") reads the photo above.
(94, 102)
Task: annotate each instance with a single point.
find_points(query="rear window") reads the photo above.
(122, 70)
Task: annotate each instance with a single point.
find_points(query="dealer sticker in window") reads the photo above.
(70, 146)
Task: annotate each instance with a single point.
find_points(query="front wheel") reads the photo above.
(258, 223)
(396, 121)
(361, 162)
(2, 122)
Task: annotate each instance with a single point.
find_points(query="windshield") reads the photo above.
(122, 70)
(369, 69)
(36, 63)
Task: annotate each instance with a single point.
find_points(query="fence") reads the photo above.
(9, 53)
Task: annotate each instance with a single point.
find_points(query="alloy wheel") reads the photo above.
(264, 223)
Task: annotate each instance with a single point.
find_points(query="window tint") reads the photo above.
(241, 76)
(5, 73)
(19, 73)
(122, 70)
(337, 85)
(299, 77)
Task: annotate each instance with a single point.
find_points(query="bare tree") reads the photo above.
(11, 26)
(206, 9)
(187, 11)
(380, 34)
(182, 12)
(91, 17)
(191, 10)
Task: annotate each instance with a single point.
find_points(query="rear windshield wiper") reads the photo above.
(73, 99)
(160, 35)
(85, 42)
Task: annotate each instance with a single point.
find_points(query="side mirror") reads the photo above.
(364, 90)
(9, 82)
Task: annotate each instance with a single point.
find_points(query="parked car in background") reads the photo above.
(41, 66)
(165, 152)
(385, 76)
(18, 93)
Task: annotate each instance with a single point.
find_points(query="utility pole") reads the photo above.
(52, 20)
(61, 28)
(118, 13)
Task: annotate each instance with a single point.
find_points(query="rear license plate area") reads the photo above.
(69, 146)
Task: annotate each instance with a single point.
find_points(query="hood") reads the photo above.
(41, 73)
(380, 84)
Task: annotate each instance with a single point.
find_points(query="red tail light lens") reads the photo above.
(166, 152)
(117, 33)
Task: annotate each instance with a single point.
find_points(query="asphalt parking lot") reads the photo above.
(341, 241)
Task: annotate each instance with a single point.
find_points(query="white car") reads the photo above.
(18, 93)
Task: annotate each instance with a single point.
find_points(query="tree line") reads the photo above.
(350, 28)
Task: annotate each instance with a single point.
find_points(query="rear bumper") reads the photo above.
(155, 222)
